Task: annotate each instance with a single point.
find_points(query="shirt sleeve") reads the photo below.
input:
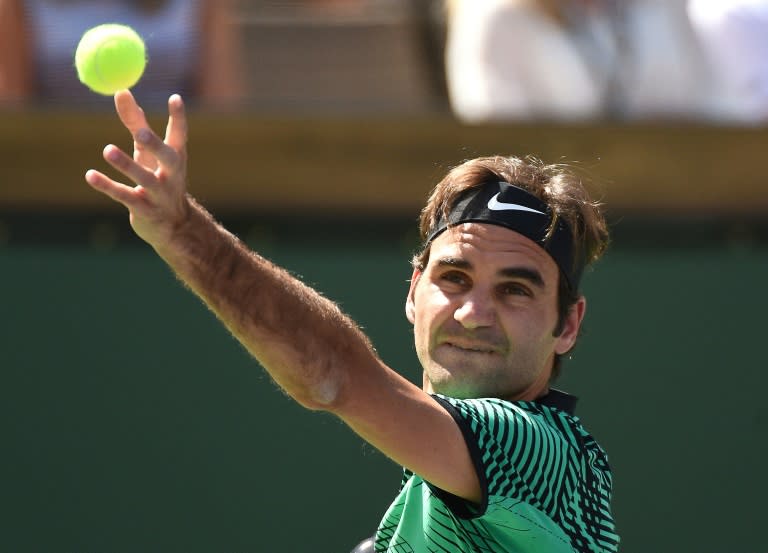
(520, 451)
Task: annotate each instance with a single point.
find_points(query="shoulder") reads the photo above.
(492, 417)
(500, 424)
(495, 409)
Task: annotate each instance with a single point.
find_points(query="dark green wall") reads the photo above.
(131, 421)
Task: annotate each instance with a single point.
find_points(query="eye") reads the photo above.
(454, 279)
(515, 289)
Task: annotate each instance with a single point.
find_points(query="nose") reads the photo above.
(475, 312)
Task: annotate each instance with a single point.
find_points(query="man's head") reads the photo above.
(505, 241)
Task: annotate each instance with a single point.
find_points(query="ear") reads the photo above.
(410, 305)
(567, 338)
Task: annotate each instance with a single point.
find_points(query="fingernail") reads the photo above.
(111, 153)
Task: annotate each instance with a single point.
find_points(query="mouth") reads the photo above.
(472, 348)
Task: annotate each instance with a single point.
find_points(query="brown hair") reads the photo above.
(557, 185)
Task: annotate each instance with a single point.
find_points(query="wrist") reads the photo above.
(186, 232)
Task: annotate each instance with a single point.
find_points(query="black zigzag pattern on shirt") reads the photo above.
(387, 529)
(445, 536)
(545, 458)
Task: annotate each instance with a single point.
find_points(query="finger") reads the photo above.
(119, 192)
(130, 168)
(168, 158)
(143, 157)
(176, 131)
(134, 119)
(129, 111)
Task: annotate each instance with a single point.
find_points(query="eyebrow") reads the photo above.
(526, 273)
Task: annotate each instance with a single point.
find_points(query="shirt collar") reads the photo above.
(559, 400)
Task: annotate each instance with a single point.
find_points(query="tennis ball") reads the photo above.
(110, 57)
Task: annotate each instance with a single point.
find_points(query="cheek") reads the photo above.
(430, 308)
(534, 326)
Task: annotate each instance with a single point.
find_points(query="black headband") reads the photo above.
(501, 203)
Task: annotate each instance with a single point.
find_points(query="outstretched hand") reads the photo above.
(157, 200)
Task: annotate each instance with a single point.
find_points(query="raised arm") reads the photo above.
(308, 346)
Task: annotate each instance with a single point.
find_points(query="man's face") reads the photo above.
(484, 311)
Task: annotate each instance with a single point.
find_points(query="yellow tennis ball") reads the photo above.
(110, 57)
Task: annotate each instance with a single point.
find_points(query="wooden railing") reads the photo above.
(242, 162)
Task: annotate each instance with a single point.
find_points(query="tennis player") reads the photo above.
(494, 458)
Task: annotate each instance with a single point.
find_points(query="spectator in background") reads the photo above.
(574, 60)
(662, 73)
(528, 59)
(190, 45)
(734, 35)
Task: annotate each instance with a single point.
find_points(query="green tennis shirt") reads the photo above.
(546, 486)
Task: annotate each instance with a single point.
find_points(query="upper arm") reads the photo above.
(409, 426)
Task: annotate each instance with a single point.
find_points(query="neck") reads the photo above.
(537, 389)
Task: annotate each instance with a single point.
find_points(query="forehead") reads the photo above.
(493, 247)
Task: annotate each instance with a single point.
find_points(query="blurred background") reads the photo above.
(131, 421)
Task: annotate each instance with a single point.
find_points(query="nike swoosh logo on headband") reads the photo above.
(495, 205)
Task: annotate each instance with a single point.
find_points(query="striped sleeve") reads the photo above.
(521, 451)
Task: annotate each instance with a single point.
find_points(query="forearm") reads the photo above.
(301, 338)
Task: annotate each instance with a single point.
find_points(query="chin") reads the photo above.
(459, 380)
(443, 381)
(453, 387)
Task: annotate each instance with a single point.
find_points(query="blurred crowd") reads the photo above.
(191, 49)
(632, 59)
(485, 60)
